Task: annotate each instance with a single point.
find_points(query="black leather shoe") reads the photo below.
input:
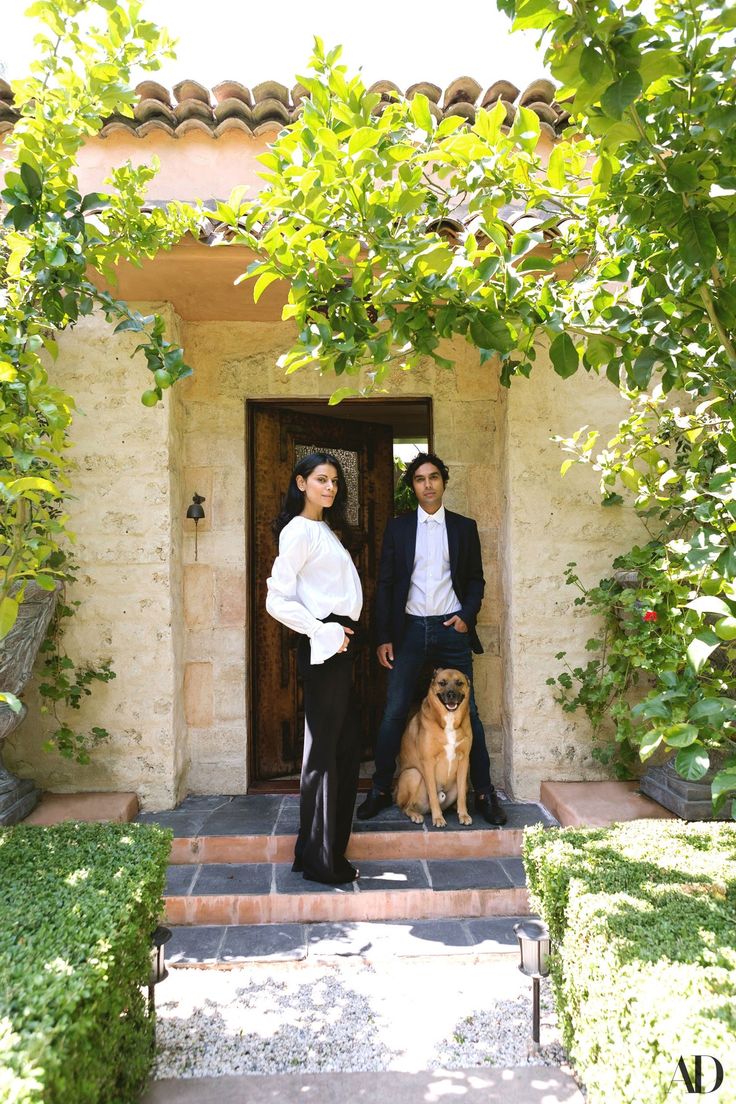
(373, 804)
(490, 809)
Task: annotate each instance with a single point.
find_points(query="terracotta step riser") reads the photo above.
(376, 845)
(412, 904)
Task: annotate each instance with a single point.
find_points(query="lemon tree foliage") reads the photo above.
(51, 237)
(359, 214)
(655, 95)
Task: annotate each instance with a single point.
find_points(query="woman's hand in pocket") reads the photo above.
(346, 641)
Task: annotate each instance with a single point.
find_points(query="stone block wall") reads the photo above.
(127, 581)
(548, 522)
(176, 629)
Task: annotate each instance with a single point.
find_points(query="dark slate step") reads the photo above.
(278, 815)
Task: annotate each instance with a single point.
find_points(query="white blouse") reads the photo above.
(313, 576)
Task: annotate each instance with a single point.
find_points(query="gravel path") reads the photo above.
(350, 1015)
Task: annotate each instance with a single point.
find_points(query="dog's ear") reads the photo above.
(434, 673)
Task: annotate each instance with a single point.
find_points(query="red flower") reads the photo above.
(650, 615)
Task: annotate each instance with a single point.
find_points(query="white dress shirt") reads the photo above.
(312, 577)
(431, 593)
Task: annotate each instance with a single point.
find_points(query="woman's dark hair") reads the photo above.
(293, 503)
(425, 458)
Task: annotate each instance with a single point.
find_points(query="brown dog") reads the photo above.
(435, 752)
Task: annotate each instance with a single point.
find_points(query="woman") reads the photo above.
(315, 590)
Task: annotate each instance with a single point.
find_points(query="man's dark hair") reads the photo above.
(425, 458)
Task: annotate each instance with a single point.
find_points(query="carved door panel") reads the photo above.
(278, 439)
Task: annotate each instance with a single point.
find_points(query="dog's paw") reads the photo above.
(464, 818)
(439, 822)
(416, 818)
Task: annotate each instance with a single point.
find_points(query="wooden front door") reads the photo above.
(278, 439)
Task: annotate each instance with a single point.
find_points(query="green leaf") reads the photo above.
(94, 199)
(700, 649)
(726, 563)
(436, 260)
(692, 762)
(564, 356)
(8, 615)
(680, 735)
(342, 393)
(715, 711)
(682, 175)
(20, 217)
(556, 167)
(363, 138)
(593, 64)
(616, 135)
(32, 483)
(530, 263)
(534, 14)
(11, 701)
(723, 783)
(31, 180)
(696, 238)
(619, 95)
(263, 281)
(420, 113)
(649, 743)
(725, 629)
(489, 331)
(708, 603)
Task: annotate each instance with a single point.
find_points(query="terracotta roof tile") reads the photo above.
(154, 109)
(152, 90)
(191, 90)
(500, 89)
(232, 90)
(231, 106)
(271, 90)
(462, 90)
(538, 90)
(431, 91)
(387, 90)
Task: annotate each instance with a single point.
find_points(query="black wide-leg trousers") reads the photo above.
(331, 763)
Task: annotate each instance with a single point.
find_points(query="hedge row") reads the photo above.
(78, 904)
(642, 918)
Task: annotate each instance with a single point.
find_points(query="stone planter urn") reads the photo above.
(18, 651)
(689, 800)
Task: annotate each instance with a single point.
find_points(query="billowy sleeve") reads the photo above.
(284, 606)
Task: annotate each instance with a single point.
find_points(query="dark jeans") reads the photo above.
(426, 638)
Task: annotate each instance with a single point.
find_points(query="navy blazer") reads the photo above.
(397, 565)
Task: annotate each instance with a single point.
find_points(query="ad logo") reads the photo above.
(695, 1084)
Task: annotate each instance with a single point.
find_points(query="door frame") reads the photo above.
(313, 405)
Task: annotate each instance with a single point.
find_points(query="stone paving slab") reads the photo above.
(470, 874)
(278, 814)
(241, 943)
(522, 1085)
(222, 878)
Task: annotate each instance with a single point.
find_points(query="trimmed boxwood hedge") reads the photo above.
(642, 918)
(78, 904)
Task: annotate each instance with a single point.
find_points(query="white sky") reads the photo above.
(399, 40)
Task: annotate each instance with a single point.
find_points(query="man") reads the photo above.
(430, 588)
